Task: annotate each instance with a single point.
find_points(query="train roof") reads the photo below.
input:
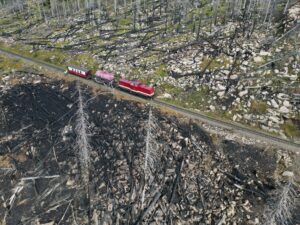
(138, 84)
(104, 75)
(78, 68)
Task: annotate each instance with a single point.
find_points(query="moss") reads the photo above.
(290, 129)
(55, 56)
(258, 107)
(9, 64)
(162, 70)
(217, 63)
(87, 60)
(5, 21)
(196, 98)
(169, 88)
(125, 22)
(62, 44)
(176, 38)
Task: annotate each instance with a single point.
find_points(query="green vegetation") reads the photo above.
(9, 64)
(55, 56)
(169, 88)
(162, 70)
(258, 107)
(197, 98)
(215, 64)
(125, 22)
(291, 129)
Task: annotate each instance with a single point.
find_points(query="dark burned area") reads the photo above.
(194, 181)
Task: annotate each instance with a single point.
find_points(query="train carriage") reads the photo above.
(136, 87)
(104, 77)
(80, 72)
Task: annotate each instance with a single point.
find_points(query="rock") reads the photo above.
(274, 104)
(6, 78)
(233, 77)
(212, 108)
(264, 53)
(286, 103)
(221, 87)
(288, 174)
(284, 109)
(242, 93)
(49, 223)
(282, 96)
(258, 59)
(245, 63)
(274, 119)
(70, 182)
(293, 77)
(234, 117)
(221, 93)
(165, 95)
(248, 116)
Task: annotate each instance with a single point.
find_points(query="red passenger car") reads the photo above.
(137, 87)
(84, 73)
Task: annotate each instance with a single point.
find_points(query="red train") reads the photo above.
(105, 77)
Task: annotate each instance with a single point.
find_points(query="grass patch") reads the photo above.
(258, 107)
(215, 64)
(169, 88)
(125, 22)
(162, 70)
(291, 129)
(9, 64)
(56, 57)
(196, 98)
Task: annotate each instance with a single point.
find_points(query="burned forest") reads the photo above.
(243, 53)
(149, 112)
(73, 156)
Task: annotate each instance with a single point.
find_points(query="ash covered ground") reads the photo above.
(189, 178)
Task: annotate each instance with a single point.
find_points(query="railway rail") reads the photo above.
(232, 127)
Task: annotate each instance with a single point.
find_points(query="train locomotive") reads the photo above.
(107, 78)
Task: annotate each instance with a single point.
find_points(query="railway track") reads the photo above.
(232, 127)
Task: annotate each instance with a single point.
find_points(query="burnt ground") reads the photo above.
(193, 180)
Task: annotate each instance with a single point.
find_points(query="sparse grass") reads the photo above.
(162, 70)
(215, 64)
(258, 107)
(57, 57)
(176, 38)
(125, 22)
(197, 99)
(9, 64)
(290, 129)
(169, 88)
